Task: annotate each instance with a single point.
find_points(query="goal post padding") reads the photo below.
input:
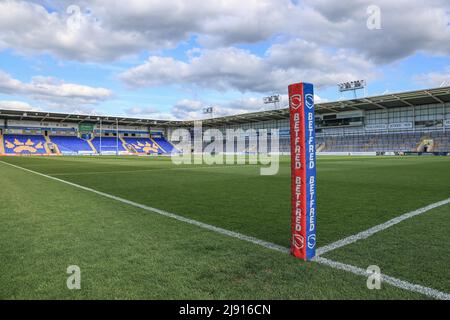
(303, 170)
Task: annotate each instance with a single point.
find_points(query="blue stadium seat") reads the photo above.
(108, 144)
(163, 143)
(25, 144)
(144, 146)
(68, 145)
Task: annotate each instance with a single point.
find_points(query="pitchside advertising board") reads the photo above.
(303, 170)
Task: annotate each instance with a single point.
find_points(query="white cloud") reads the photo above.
(434, 79)
(28, 28)
(17, 105)
(220, 69)
(108, 30)
(187, 109)
(408, 26)
(53, 91)
(193, 109)
(320, 41)
(141, 111)
(236, 69)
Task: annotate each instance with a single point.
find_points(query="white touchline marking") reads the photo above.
(369, 232)
(387, 279)
(272, 246)
(229, 233)
(147, 170)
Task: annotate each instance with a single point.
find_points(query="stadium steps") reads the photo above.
(2, 146)
(425, 141)
(131, 149)
(46, 145)
(431, 146)
(155, 143)
(124, 144)
(47, 149)
(419, 147)
(91, 145)
(128, 146)
(49, 141)
(321, 147)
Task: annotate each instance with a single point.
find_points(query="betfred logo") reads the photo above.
(298, 241)
(312, 241)
(309, 101)
(296, 101)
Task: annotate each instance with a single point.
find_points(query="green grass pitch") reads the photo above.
(128, 253)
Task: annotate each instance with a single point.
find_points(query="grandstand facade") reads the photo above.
(409, 122)
(37, 133)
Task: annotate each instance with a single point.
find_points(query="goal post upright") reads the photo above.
(303, 171)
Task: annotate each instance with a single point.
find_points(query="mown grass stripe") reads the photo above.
(330, 263)
(381, 227)
(386, 279)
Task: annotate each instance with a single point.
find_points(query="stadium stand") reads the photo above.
(25, 144)
(108, 145)
(71, 145)
(2, 146)
(381, 142)
(395, 142)
(53, 148)
(143, 146)
(409, 122)
(92, 146)
(166, 146)
(440, 141)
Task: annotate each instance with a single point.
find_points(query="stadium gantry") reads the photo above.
(417, 121)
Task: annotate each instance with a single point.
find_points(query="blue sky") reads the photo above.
(170, 59)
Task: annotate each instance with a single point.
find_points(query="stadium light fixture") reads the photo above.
(274, 99)
(352, 86)
(209, 110)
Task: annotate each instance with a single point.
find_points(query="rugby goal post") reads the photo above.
(303, 170)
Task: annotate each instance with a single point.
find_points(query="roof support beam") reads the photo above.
(67, 117)
(375, 104)
(403, 100)
(343, 105)
(45, 117)
(434, 97)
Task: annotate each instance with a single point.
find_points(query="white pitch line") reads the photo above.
(146, 170)
(386, 279)
(206, 226)
(333, 264)
(370, 232)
